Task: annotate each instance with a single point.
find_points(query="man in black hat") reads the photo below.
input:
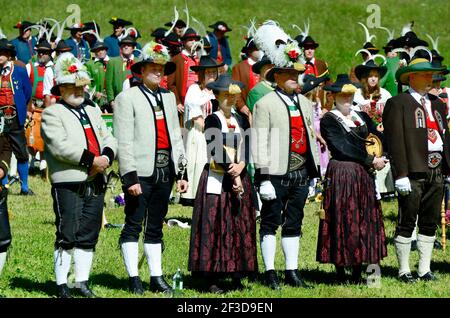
(15, 94)
(89, 37)
(25, 42)
(243, 72)
(112, 41)
(151, 156)
(61, 47)
(178, 28)
(96, 69)
(220, 50)
(80, 48)
(119, 69)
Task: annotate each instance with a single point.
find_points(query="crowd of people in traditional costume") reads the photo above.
(254, 139)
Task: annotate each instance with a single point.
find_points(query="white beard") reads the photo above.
(73, 101)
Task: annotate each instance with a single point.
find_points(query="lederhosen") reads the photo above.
(292, 188)
(78, 206)
(150, 208)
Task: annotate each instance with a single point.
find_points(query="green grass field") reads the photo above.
(333, 22)
(29, 269)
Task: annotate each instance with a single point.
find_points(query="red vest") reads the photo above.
(37, 80)
(190, 77)
(6, 91)
(299, 137)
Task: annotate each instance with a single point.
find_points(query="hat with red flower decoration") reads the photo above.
(69, 70)
(23, 25)
(284, 52)
(76, 27)
(156, 53)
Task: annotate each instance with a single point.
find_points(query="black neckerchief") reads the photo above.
(290, 96)
(156, 94)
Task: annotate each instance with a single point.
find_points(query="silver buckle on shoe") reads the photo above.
(434, 159)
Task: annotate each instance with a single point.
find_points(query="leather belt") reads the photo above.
(434, 159)
(296, 161)
(162, 158)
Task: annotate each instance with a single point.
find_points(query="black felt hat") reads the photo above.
(5, 45)
(206, 62)
(76, 27)
(343, 84)
(43, 45)
(190, 33)
(171, 40)
(179, 24)
(371, 48)
(256, 68)
(410, 39)
(62, 47)
(220, 26)
(22, 25)
(159, 33)
(308, 42)
(310, 82)
(223, 82)
(128, 40)
(120, 22)
(99, 46)
(249, 45)
(363, 70)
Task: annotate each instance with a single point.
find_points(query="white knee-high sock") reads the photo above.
(403, 249)
(83, 263)
(268, 249)
(2, 261)
(62, 261)
(130, 253)
(153, 253)
(425, 246)
(291, 247)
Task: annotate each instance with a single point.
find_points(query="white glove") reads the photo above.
(267, 191)
(403, 186)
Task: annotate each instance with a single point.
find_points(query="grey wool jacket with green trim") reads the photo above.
(66, 149)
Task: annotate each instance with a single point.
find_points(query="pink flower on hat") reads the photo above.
(293, 54)
(158, 48)
(72, 68)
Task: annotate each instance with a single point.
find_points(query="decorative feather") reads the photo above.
(378, 55)
(2, 35)
(434, 42)
(199, 45)
(364, 51)
(174, 21)
(41, 30)
(417, 48)
(201, 27)
(186, 10)
(407, 28)
(389, 32)
(61, 29)
(250, 29)
(127, 32)
(306, 25)
(275, 43)
(367, 33)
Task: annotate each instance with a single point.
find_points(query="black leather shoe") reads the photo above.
(292, 278)
(215, 289)
(428, 277)
(407, 278)
(135, 285)
(437, 245)
(158, 284)
(414, 245)
(63, 291)
(29, 192)
(272, 279)
(84, 290)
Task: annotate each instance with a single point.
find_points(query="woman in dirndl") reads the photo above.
(223, 232)
(198, 106)
(351, 231)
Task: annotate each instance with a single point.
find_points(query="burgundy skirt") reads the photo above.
(223, 231)
(352, 232)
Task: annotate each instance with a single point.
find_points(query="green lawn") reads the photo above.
(29, 269)
(333, 22)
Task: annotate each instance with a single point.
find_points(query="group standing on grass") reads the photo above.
(254, 139)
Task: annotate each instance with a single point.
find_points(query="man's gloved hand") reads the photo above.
(403, 186)
(267, 191)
